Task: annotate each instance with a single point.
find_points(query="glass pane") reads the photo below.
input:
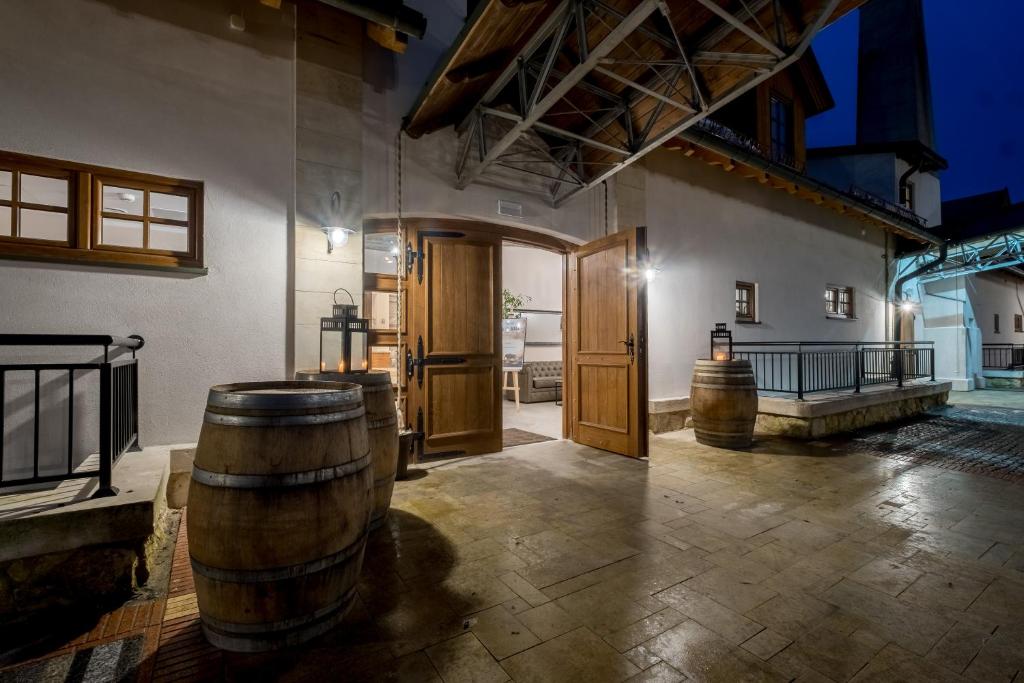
(383, 311)
(5, 185)
(381, 253)
(5, 221)
(332, 351)
(121, 233)
(37, 189)
(123, 200)
(360, 359)
(170, 206)
(43, 225)
(169, 237)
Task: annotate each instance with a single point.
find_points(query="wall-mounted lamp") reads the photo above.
(907, 306)
(651, 273)
(337, 236)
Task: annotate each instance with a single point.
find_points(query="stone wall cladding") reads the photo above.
(851, 420)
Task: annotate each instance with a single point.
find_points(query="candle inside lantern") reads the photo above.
(721, 356)
(323, 366)
(341, 366)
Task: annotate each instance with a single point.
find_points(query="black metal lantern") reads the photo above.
(721, 342)
(343, 338)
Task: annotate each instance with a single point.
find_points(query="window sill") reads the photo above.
(748, 322)
(99, 259)
(841, 317)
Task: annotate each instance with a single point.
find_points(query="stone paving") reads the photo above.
(556, 562)
(973, 438)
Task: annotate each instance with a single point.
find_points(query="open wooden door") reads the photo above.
(451, 340)
(607, 344)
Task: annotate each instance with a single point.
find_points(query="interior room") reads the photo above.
(532, 283)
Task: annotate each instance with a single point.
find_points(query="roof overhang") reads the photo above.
(712, 149)
(569, 92)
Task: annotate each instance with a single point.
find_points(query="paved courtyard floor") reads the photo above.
(556, 562)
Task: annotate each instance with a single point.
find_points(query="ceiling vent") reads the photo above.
(510, 209)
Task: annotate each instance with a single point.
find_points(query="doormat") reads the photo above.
(520, 437)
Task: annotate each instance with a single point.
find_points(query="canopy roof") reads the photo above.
(568, 92)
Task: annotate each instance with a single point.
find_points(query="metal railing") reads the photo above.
(805, 367)
(118, 406)
(1002, 356)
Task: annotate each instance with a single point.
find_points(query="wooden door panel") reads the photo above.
(604, 397)
(608, 376)
(454, 338)
(453, 412)
(601, 280)
(460, 279)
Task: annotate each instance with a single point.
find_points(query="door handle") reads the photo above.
(630, 346)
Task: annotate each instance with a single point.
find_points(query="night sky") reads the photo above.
(976, 58)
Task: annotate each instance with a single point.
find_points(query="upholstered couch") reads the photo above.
(538, 382)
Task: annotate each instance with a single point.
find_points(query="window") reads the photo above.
(381, 254)
(839, 302)
(745, 303)
(782, 130)
(1018, 322)
(908, 195)
(995, 323)
(63, 211)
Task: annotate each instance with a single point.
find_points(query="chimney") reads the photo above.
(894, 96)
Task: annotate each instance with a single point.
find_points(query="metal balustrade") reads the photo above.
(118, 407)
(805, 367)
(1002, 356)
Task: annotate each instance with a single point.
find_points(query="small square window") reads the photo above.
(1018, 323)
(745, 302)
(839, 302)
(995, 323)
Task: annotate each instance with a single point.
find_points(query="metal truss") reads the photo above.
(507, 132)
(992, 252)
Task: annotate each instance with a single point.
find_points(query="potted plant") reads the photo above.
(511, 303)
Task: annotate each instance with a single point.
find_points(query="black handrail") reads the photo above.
(1002, 356)
(804, 367)
(118, 405)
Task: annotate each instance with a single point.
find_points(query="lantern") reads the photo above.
(343, 338)
(721, 342)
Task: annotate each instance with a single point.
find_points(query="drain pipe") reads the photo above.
(921, 270)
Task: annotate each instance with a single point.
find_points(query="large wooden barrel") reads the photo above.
(382, 424)
(278, 511)
(723, 403)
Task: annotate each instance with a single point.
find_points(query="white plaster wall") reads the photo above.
(946, 315)
(126, 88)
(1001, 293)
(707, 229)
(536, 273)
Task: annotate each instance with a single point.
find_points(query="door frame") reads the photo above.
(541, 240)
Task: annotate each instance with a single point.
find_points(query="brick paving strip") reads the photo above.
(979, 440)
(158, 640)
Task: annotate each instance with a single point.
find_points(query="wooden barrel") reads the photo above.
(382, 424)
(723, 403)
(278, 511)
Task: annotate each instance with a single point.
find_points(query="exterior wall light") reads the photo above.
(651, 273)
(907, 306)
(337, 236)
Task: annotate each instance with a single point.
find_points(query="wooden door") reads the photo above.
(451, 344)
(607, 344)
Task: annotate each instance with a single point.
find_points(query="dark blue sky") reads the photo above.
(976, 57)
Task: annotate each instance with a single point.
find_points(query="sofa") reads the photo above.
(538, 382)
